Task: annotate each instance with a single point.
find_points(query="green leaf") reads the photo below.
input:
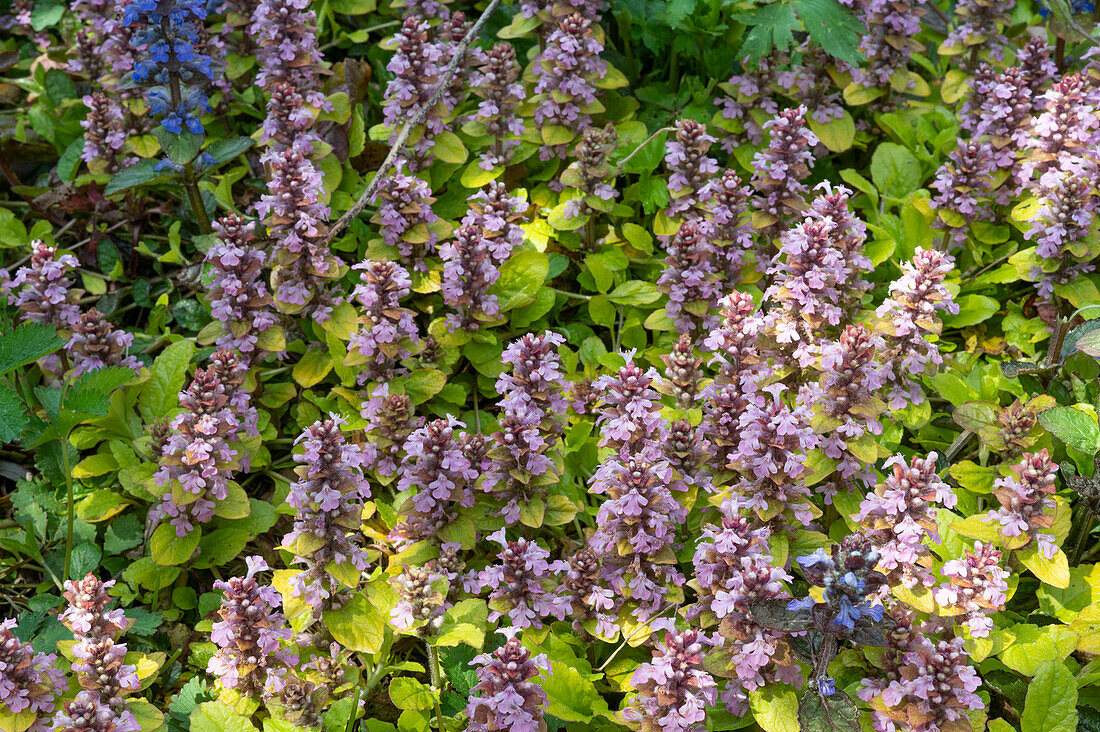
(1053, 571)
(1033, 645)
(833, 28)
(168, 550)
(773, 27)
(181, 148)
(423, 384)
(406, 693)
(357, 625)
(677, 10)
(1073, 426)
(1051, 704)
(834, 713)
(140, 173)
(976, 527)
(313, 367)
(46, 15)
(225, 150)
(973, 309)
(572, 697)
(160, 394)
(10, 722)
(775, 708)
(12, 414)
(635, 292)
(837, 134)
(895, 171)
(27, 343)
(218, 717)
(521, 276)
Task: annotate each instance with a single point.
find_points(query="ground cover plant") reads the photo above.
(407, 365)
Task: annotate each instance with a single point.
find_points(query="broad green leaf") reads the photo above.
(833, 28)
(635, 292)
(180, 148)
(775, 708)
(772, 27)
(140, 173)
(1035, 644)
(423, 384)
(100, 506)
(12, 414)
(28, 342)
(225, 150)
(313, 367)
(837, 134)
(406, 693)
(168, 550)
(11, 722)
(976, 527)
(1073, 426)
(358, 625)
(1054, 571)
(573, 698)
(218, 717)
(160, 394)
(895, 170)
(973, 309)
(521, 276)
(1051, 704)
(833, 713)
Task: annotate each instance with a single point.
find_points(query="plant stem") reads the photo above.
(69, 486)
(194, 195)
(437, 687)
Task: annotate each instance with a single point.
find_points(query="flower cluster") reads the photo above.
(690, 170)
(637, 526)
(387, 330)
(518, 583)
(888, 43)
(979, 28)
(497, 213)
(692, 279)
(729, 225)
(927, 687)
(509, 699)
(295, 216)
(583, 596)
(564, 88)
(770, 456)
(436, 465)
(976, 587)
(848, 578)
(285, 34)
(468, 273)
(779, 169)
(29, 681)
(200, 453)
(96, 344)
(417, 65)
(405, 217)
(674, 690)
(238, 296)
(173, 62)
(964, 182)
(497, 83)
(630, 420)
(249, 634)
(45, 290)
(422, 591)
(901, 513)
(98, 659)
(328, 499)
(390, 420)
(535, 384)
(910, 315)
(1027, 509)
(587, 176)
(104, 133)
(846, 396)
(683, 372)
(732, 571)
